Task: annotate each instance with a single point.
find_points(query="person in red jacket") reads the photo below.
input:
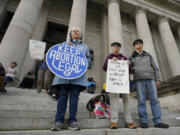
(2, 78)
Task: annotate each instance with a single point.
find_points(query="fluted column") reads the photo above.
(144, 33)
(114, 23)
(173, 54)
(78, 16)
(15, 43)
(104, 27)
(2, 6)
(38, 34)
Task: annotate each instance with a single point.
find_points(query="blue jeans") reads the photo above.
(150, 86)
(65, 91)
(7, 79)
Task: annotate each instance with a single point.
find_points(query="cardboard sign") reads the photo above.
(117, 78)
(66, 61)
(37, 49)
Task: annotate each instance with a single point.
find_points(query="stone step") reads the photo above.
(50, 105)
(39, 123)
(120, 131)
(24, 96)
(51, 113)
(25, 109)
(29, 98)
(30, 110)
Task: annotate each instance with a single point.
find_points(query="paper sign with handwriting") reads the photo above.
(117, 78)
(37, 49)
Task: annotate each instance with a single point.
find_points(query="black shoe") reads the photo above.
(3, 90)
(161, 125)
(74, 126)
(57, 127)
(144, 125)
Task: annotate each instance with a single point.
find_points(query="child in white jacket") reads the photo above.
(11, 73)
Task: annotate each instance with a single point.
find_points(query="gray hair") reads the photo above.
(75, 28)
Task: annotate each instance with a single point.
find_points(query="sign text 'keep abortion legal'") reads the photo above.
(66, 61)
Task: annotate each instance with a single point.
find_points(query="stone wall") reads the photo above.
(172, 102)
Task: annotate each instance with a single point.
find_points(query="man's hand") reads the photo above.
(128, 62)
(115, 59)
(158, 83)
(70, 43)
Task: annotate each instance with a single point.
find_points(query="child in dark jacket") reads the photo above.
(28, 80)
(91, 85)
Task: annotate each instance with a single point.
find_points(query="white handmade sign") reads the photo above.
(37, 49)
(117, 78)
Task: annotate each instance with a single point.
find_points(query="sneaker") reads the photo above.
(113, 125)
(74, 126)
(38, 91)
(57, 127)
(161, 125)
(144, 125)
(47, 91)
(3, 90)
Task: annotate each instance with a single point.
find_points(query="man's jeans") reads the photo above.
(65, 91)
(150, 86)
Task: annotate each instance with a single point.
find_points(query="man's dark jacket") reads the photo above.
(144, 66)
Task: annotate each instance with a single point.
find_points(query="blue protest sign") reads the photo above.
(66, 61)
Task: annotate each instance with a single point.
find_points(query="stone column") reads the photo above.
(38, 34)
(2, 5)
(114, 23)
(144, 33)
(104, 27)
(78, 16)
(172, 51)
(104, 42)
(15, 43)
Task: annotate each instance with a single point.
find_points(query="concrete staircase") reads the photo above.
(24, 109)
(120, 131)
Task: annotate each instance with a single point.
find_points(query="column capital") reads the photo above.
(46, 2)
(111, 1)
(163, 19)
(140, 10)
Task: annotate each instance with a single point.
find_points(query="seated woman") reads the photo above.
(28, 80)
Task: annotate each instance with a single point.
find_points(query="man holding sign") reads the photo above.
(116, 80)
(68, 63)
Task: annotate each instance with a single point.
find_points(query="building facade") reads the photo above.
(102, 22)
